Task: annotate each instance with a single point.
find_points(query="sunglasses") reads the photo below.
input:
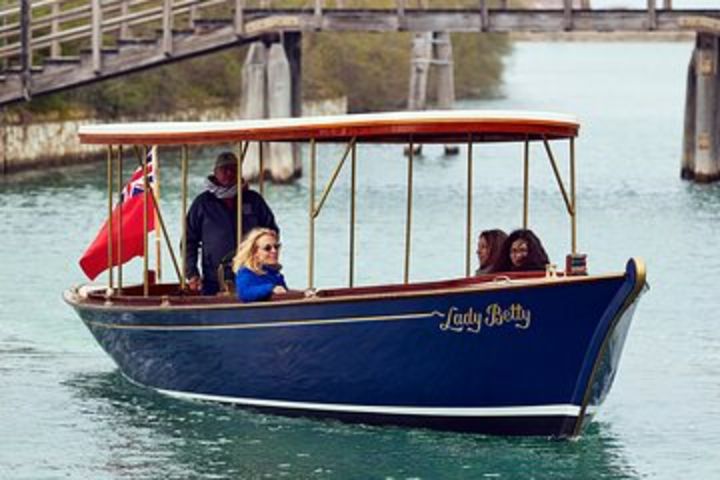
(271, 246)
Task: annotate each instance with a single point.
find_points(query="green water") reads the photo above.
(65, 411)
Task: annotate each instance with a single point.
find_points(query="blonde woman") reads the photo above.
(257, 267)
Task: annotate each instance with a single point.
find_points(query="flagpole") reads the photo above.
(110, 209)
(158, 231)
(146, 279)
(183, 220)
(120, 217)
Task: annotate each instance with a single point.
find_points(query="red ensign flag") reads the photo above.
(95, 259)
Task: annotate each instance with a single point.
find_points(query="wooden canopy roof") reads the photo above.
(453, 126)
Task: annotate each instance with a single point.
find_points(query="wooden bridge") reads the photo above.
(51, 45)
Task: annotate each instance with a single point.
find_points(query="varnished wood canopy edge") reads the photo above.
(454, 126)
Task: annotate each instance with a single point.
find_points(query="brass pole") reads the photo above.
(468, 228)
(261, 176)
(557, 176)
(526, 183)
(183, 220)
(146, 188)
(311, 219)
(333, 177)
(158, 232)
(110, 215)
(572, 196)
(408, 218)
(120, 217)
(353, 187)
(242, 151)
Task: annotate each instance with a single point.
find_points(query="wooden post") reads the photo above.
(167, 25)
(443, 54)
(484, 20)
(446, 78)
(687, 166)
(239, 17)
(96, 34)
(280, 155)
(419, 69)
(568, 11)
(55, 50)
(706, 135)
(652, 15)
(124, 10)
(25, 48)
(667, 4)
(254, 100)
(317, 14)
(292, 41)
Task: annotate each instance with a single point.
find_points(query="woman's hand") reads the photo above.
(278, 289)
(310, 293)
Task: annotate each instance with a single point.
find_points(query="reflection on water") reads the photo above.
(143, 434)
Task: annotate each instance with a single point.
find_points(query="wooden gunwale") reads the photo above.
(97, 300)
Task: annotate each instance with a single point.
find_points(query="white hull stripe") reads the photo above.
(521, 411)
(269, 324)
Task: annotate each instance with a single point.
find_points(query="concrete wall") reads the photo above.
(34, 146)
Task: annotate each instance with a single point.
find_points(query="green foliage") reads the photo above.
(373, 70)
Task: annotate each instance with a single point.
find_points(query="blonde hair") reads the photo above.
(245, 256)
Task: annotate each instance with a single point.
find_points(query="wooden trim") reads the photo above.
(492, 282)
(424, 127)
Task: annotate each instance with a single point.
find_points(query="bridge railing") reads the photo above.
(34, 30)
(52, 28)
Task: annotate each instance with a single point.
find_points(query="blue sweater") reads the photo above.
(253, 287)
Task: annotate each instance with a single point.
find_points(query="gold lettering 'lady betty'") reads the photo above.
(473, 321)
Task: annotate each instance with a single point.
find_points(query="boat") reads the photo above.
(512, 353)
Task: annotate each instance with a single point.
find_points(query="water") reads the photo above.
(65, 412)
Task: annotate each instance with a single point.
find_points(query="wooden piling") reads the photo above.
(442, 48)
(687, 167)
(254, 100)
(446, 78)
(707, 168)
(292, 42)
(279, 99)
(421, 56)
(26, 49)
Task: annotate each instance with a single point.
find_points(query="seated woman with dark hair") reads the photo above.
(522, 251)
(488, 249)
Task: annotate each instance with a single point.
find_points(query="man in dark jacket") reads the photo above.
(212, 223)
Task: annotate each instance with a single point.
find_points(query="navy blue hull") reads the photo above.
(517, 359)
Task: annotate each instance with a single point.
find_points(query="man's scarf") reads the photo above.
(218, 190)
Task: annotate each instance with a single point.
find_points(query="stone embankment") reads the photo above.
(27, 145)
